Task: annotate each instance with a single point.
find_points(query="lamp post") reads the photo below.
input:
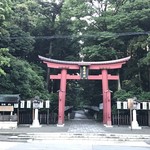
(135, 124)
(36, 106)
(132, 105)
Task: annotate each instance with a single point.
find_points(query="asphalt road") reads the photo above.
(73, 145)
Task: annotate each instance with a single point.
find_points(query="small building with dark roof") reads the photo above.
(9, 98)
(8, 119)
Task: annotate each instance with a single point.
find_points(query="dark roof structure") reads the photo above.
(83, 62)
(9, 98)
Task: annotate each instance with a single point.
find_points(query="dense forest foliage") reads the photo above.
(98, 30)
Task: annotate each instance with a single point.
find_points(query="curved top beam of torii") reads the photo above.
(112, 64)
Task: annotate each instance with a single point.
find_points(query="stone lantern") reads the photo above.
(134, 123)
(36, 106)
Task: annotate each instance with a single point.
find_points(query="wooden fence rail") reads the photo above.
(125, 120)
(26, 118)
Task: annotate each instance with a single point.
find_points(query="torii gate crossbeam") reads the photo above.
(84, 67)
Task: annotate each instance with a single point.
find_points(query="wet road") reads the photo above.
(72, 145)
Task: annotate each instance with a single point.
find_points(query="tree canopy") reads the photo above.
(99, 30)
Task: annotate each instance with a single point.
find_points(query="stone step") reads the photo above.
(14, 139)
(79, 136)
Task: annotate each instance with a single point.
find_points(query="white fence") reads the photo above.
(29, 104)
(138, 106)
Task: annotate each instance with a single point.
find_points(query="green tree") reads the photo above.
(21, 43)
(130, 22)
(4, 60)
(25, 14)
(5, 12)
(144, 65)
(66, 29)
(24, 79)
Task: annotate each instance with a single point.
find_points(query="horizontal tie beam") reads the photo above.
(90, 77)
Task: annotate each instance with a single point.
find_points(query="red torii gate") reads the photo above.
(84, 67)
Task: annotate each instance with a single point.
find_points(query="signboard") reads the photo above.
(16, 106)
(28, 104)
(125, 106)
(41, 105)
(144, 105)
(22, 104)
(84, 71)
(138, 106)
(6, 108)
(118, 104)
(47, 104)
(101, 106)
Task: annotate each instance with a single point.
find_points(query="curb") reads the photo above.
(26, 137)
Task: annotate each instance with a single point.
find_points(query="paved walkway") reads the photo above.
(85, 126)
(80, 124)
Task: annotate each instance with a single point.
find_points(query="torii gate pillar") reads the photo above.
(106, 99)
(62, 97)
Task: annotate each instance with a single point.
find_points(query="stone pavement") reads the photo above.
(85, 126)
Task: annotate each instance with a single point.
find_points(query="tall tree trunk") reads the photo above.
(149, 78)
(119, 84)
(48, 69)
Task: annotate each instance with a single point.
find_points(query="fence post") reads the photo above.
(47, 115)
(148, 117)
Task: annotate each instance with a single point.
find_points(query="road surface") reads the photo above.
(73, 145)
